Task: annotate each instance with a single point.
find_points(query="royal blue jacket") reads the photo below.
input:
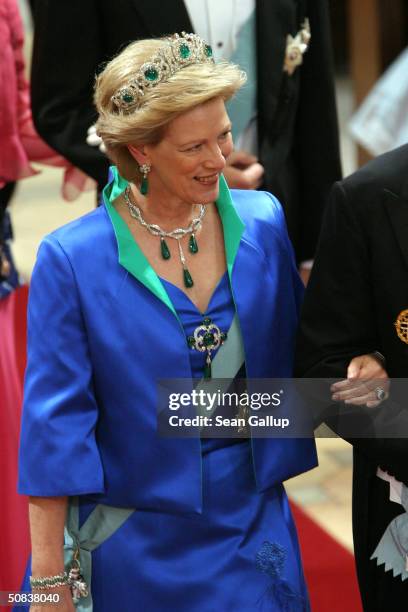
(101, 333)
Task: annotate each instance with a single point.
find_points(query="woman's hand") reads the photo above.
(47, 519)
(366, 382)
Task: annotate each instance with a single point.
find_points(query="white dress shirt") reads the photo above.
(219, 21)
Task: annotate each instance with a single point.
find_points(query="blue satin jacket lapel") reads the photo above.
(130, 255)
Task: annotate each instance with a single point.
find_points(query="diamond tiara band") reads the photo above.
(181, 51)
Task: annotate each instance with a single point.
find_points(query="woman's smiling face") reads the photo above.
(186, 164)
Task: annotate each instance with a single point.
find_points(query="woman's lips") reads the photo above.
(207, 180)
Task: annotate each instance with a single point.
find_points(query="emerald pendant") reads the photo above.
(192, 245)
(207, 338)
(188, 281)
(144, 186)
(207, 368)
(164, 249)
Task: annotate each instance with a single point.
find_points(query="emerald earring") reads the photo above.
(144, 185)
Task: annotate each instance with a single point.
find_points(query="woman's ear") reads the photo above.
(139, 154)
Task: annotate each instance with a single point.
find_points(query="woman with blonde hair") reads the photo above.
(173, 277)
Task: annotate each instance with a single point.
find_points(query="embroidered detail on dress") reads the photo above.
(270, 560)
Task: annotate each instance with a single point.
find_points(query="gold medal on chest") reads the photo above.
(401, 325)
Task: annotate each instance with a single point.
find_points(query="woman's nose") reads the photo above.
(216, 158)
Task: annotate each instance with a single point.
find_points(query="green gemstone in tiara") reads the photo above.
(208, 50)
(184, 51)
(127, 97)
(151, 74)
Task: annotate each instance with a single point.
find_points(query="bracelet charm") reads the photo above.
(79, 588)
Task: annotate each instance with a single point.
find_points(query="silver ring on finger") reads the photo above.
(380, 393)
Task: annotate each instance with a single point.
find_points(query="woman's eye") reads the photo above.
(193, 148)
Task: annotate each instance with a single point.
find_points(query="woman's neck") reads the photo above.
(166, 211)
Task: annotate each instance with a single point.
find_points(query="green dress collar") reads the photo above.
(131, 256)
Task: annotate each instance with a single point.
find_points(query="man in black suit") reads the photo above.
(357, 291)
(296, 114)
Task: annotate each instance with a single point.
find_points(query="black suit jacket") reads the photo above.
(358, 287)
(297, 125)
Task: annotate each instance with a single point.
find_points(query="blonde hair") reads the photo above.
(190, 86)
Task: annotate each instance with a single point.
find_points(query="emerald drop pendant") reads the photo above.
(164, 249)
(207, 368)
(188, 281)
(144, 186)
(192, 245)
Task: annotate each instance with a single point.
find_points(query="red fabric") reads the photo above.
(329, 568)
(20, 329)
(14, 94)
(20, 143)
(14, 534)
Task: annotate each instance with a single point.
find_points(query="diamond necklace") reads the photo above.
(176, 234)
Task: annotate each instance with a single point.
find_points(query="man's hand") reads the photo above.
(243, 171)
(366, 381)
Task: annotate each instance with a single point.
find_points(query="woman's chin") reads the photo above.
(207, 193)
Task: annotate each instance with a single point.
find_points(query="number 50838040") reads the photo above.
(21, 598)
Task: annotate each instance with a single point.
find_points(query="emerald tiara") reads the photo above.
(181, 51)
